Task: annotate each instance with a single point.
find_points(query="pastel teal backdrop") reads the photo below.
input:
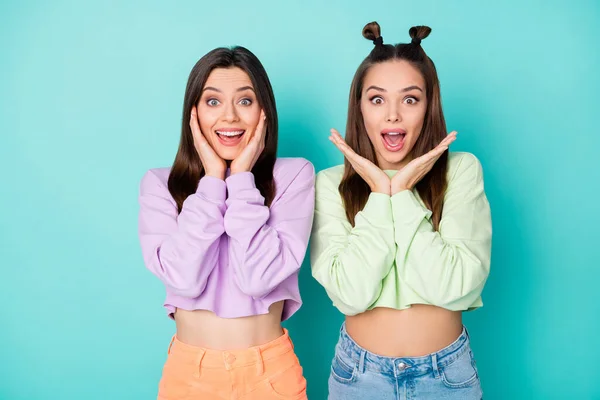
(90, 98)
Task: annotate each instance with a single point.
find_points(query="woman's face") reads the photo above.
(228, 111)
(393, 106)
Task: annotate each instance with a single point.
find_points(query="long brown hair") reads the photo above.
(353, 189)
(187, 168)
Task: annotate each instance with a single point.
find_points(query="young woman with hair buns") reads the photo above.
(402, 235)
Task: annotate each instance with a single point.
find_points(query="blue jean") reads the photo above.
(357, 374)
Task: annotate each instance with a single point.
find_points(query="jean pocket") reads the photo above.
(175, 382)
(461, 372)
(289, 384)
(342, 369)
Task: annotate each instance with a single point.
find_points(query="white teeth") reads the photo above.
(393, 133)
(230, 133)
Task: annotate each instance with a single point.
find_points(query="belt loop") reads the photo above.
(199, 363)
(259, 362)
(289, 338)
(361, 361)
(225, 355)
(171, 345)
(434, 364)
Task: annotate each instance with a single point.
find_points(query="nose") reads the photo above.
(393, 114)
(230, 114)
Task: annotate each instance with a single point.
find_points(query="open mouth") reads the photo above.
(230, 137)
(393, 139)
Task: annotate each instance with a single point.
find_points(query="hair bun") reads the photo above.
(372, 31)
(418, 33)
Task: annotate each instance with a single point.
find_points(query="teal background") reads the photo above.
(90, 98)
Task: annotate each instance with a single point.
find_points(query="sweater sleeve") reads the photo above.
(448, 268)
(351, 262)
(181, 250)
(268, 244)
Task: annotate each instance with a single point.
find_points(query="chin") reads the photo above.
(228, 154)
(394, 158)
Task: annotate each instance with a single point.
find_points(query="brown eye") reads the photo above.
(377, 100)
(410, 100)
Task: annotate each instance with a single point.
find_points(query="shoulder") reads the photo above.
(463, 166)
(288, 170)
(155, 179)
(330, 177)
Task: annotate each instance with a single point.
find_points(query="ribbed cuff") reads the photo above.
(406, 207)
(212, 188)
(378, 208)
(239, 182)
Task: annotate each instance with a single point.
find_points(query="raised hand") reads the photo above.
(415, 170)
(213, 164)
(250, 154)
(377, 180)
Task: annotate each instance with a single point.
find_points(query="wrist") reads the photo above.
(381, 189)
(237, 170)
(400, 188)
(216, 174)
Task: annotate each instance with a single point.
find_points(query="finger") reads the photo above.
(439, 151)
(339, 141)
(436, 152)
(259, 133)
(449, 139)
(348, 154)
(344, 148)
(196, 132)
(446, 142)
(429, 158)
(262, 135)
(335, 132)
(339, 144)
(335, 137)
(256, 139)
(444, 145)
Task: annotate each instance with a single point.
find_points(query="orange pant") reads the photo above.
(270, 371)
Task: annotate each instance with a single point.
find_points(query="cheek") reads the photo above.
(250, 116)
(207, 119)
(416, 119)
(371, 120)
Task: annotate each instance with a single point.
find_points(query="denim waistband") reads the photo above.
(394, 365)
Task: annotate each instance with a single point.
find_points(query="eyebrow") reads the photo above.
(237, 90)
(406, 89)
